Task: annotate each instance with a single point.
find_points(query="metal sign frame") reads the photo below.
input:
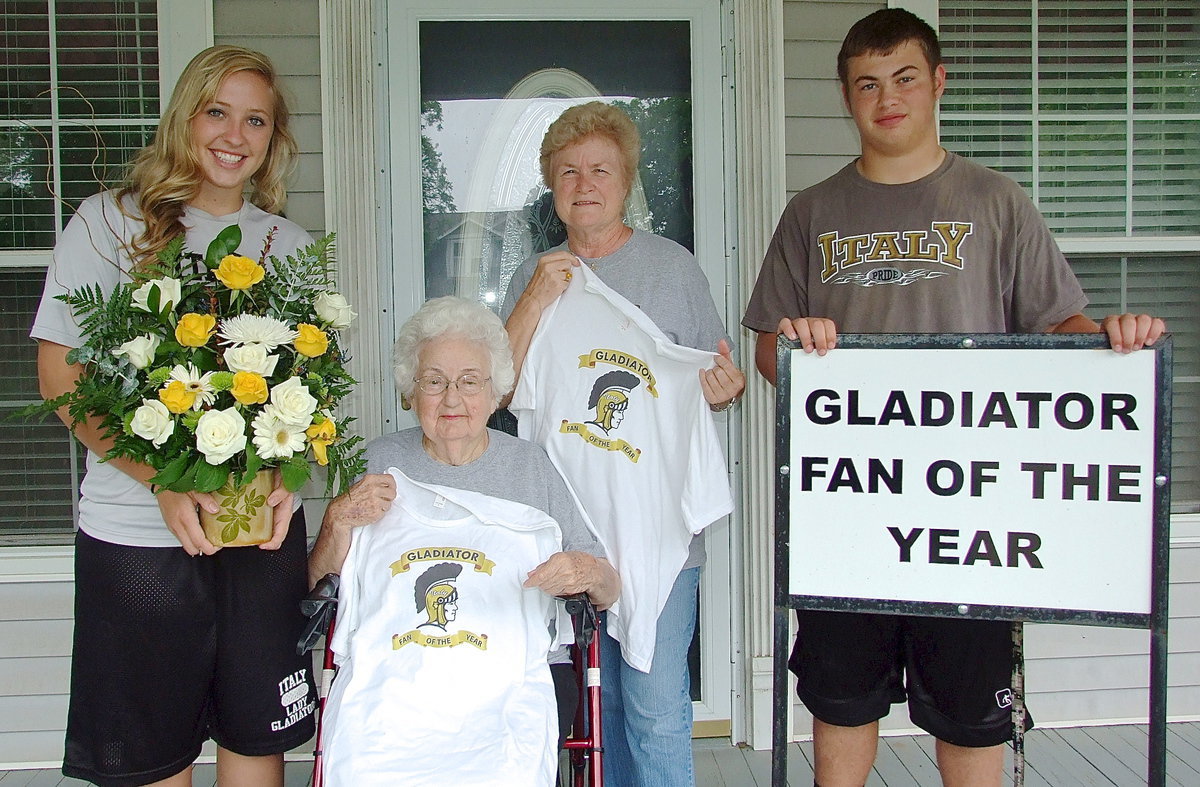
(1155, 621)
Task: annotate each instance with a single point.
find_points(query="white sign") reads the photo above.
(1006, 477)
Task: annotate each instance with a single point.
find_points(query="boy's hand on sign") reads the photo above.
(814, 333)
(1129, 332)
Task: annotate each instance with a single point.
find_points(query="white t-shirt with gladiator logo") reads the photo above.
(620, 411)
(442, 674)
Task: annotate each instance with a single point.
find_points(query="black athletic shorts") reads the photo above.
(171, 650)
(955, 674)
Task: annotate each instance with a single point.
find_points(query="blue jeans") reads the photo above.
(648, 716)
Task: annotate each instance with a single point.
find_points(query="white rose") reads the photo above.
(251, 358)
(292, 402)
(140, 350)
(220, 434)
(333, 309)
(152, 421)
(168, 290)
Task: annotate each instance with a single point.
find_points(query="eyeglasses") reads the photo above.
(436, 384)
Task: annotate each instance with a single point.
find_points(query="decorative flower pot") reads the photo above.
(244, 518)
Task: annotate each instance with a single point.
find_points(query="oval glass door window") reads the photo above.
(489, 91)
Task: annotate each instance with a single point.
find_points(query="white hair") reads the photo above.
(453, 316)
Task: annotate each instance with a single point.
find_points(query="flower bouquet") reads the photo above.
(217, 369)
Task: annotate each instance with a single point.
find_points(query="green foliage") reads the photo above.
(170, 253)
(345, 461)
(437, 194)
(225, 243)
(210, 478)
(118, 394)
(254, 463)
(665, 126)
(299, 278)
(295, 473)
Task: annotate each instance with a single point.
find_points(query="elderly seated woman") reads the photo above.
(443, 638)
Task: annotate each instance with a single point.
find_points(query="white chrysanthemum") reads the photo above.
(196, 383)
(253, 329)
(275, 438)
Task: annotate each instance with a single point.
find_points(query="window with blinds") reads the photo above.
(1094, 107)
(78, 97)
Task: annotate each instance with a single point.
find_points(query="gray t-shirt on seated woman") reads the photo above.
(662, 279)
(510, 469)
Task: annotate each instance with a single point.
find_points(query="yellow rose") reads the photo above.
(194, 329)
(310, 340)
(177, 397)
(249, 388)
(320, 436)
(239, 273)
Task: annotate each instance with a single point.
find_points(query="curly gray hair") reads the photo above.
(453, 316)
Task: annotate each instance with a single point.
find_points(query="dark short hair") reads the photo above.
(882, 33)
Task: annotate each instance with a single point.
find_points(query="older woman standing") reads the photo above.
(589, 157)
(453, 365)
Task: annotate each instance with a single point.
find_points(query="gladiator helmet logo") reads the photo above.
(610, 398)
(436, 595)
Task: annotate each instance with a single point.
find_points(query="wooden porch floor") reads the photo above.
(1085, 756)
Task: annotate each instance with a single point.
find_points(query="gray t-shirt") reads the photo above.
(662, 279)
(658, 276)
(95, 249)
(510, 468)
(960, 250)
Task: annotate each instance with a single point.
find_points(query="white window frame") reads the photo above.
(184, 28)
(1112, 244)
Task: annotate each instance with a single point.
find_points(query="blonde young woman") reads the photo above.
(175, 640)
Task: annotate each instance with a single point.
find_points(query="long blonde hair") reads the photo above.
(166, 175)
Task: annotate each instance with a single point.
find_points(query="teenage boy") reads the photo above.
(975, 256)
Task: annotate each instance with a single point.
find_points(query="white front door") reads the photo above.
(471, 89)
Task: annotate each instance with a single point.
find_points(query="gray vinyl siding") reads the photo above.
(1074, 674)
(287, 31)
(1088, 674)
(35, 651)
(819, 137)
